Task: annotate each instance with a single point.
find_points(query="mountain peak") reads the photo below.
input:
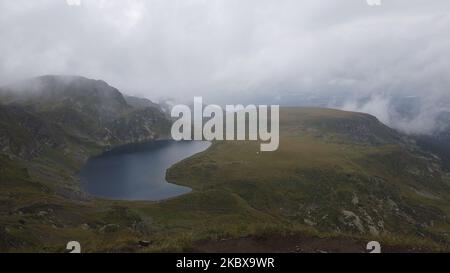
(55, 91)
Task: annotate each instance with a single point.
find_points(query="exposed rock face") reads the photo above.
(140, 103)
(139, 125)
(54, 111)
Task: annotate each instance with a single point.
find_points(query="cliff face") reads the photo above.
(62, 111)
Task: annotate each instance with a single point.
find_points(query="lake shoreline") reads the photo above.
(137, 172)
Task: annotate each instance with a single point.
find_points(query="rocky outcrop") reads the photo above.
(62, 111)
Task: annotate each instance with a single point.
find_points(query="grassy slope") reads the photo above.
(318, 178)
(323, 181)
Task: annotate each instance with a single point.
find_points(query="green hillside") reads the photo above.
(335, 172)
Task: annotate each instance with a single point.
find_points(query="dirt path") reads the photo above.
(294, 244)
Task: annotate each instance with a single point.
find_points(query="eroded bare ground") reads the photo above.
(296, 244)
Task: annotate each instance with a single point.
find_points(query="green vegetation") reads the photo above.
(320, 183)
(337, 176)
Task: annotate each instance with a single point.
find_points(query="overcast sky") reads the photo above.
(228, 49)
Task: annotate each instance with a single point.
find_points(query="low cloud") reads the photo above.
(411, 115)
(229, 51)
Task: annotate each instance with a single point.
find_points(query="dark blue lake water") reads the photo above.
(138, 172)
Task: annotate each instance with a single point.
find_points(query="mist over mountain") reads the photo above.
(336, 172)
(344, 54)
(53, 111)
(364, 125)
(410, 114)
(339, 174)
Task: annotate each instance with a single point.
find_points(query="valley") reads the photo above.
(337, 177)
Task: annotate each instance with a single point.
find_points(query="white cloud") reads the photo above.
(228, 49)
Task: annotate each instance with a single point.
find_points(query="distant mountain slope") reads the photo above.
(141, 102)
(52, 92)
(438, 142)
(76, 108)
